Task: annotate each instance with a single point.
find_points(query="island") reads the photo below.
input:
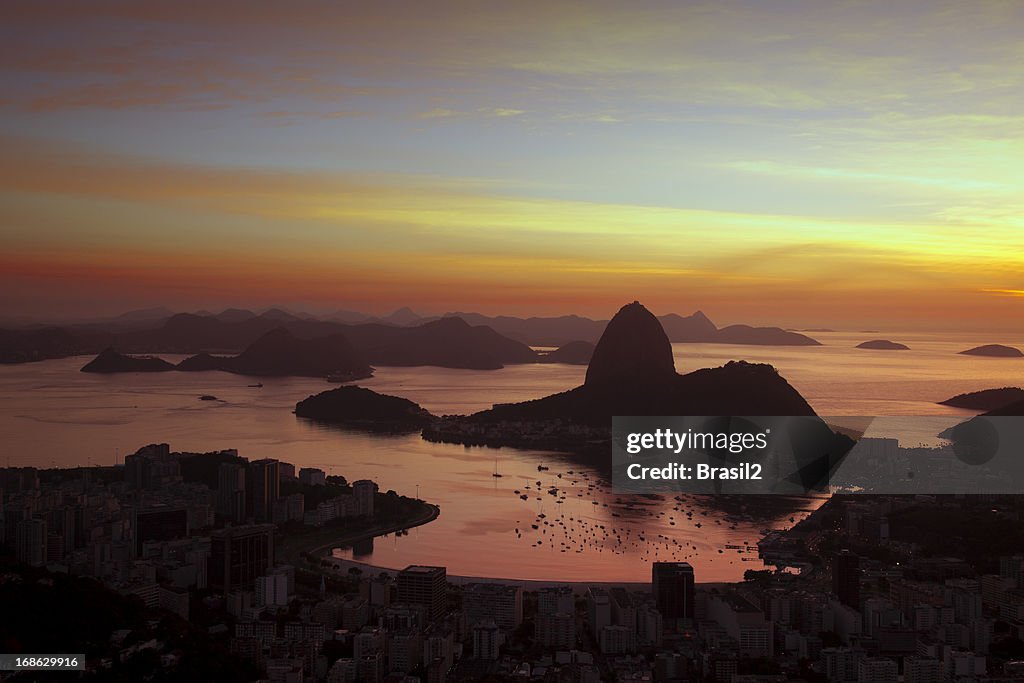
(363, 408)
(110, 361)
(883, 345)
(994, 351)
(573, 353)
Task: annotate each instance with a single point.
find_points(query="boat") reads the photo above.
(207, 397)
(496, 473)
(258, 385)
(542, 468)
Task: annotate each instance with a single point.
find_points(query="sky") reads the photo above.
(795, 163)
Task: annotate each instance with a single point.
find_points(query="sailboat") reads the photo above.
(496, 473)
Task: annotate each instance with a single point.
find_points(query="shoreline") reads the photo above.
(429, 513)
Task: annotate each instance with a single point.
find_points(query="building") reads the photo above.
(231, 500)
(923, 670)
(364, 492)
(487, 640)
(846, 578)
(239, 555)
(159, 523)
(744, 622)
(674, 592)
(877, 670)
(272, 590)
(263, 488)
(30, 542)
(498, 602)
(427, 586)
(599, 610)
(312, 476)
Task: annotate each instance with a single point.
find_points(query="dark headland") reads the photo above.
(573, 353)
(883, 345)
(986, 399)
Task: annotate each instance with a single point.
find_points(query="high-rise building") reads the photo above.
(364, 491)
(599, 610)
(238, 555)
(231, 500)
(498, 602)
(923, 670)
(427, 586)
(877, 670)
(151, 467)
(272, 590)
(674, 591)
(30, 542)
(486, 640)
(846, 578)
(263, 488)
(556, 617)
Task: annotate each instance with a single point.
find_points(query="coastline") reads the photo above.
(295, 555)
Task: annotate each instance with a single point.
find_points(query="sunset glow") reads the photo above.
(794, 163)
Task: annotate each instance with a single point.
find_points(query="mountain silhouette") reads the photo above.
(280, 353)
(986, 399)
(573, 353)
(632, 373)
(633, 348)
(110, 361)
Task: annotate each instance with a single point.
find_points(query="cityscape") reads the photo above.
(233, 552)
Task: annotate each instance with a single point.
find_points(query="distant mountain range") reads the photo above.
(467, 340)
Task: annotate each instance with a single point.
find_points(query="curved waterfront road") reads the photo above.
(319, 542)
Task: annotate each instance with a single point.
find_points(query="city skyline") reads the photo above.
(799, 164)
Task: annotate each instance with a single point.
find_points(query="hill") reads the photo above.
(986, 399)
(360, 407)
(110, 361)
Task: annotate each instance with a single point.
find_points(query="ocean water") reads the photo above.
(54, 415)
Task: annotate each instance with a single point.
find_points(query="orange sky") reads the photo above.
(804, 165)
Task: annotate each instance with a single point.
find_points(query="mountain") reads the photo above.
(573, 353)
(447, 342)
(539, 331)
(23, 346)
(633, 348)
(986, 399)
(360, 407)
(155, 313)
(693, 328)
(344, 316)
(280, 353)
(202, 362)
(110, 361)
(993, 351)
(233, 315)
(632, 373)
(403, 316)
(883, 345)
